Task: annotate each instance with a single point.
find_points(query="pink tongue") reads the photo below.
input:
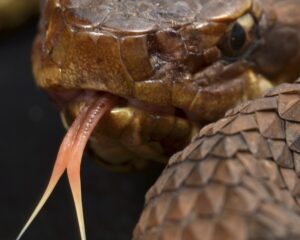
(70, 155)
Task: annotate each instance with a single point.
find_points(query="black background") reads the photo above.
(30, 134)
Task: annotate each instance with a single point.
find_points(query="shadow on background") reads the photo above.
(30, 134)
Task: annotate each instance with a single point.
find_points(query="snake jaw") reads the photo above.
(140, 131)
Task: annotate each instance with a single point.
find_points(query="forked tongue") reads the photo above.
(70, 155)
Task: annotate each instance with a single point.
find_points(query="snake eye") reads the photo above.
(239, 38)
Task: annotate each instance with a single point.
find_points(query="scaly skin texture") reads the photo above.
(173, 58)
(15, 12)
(237, 180)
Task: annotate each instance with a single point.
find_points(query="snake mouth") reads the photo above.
(132, 131)
(62, 98)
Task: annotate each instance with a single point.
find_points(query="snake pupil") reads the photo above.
(238, 37)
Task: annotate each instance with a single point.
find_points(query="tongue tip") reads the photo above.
(70, 155)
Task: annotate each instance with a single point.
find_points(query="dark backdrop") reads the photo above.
(30, 134)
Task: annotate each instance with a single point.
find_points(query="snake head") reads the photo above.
(175, 65)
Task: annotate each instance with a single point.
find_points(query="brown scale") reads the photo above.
(238, 179)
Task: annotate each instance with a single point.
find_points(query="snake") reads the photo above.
(158, 76)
